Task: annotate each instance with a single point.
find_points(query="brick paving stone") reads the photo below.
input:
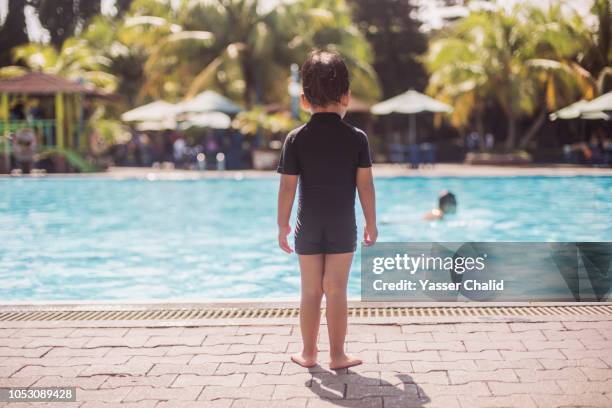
(116, 369)
(219, 349)
(43, 332)
(375, 402)
(391, 356)
(72, 342)
(160, 359)
(331, 391)
(426, 366)
(508, 388)
(253, 379)
(157, 381)
(274, 367)
(288, 403)
(206, 330)
(596, 344)
(418, 337)
(70, 352)
(452, 336)
(435, 345)
(260, 392)
(256, 348)
(502, 364)
(169, 368)
(218, 403)
(233, 380)
(99, 332)
(377, 329)
(23, 352)
(472, 388)
(189, 393)
(465, 376)
(282, 330)
(431, 377)
(242, 358)
(597, 374)
(555, 335)
(443, 401)
(553, 364)
(571, 387)
(428, 328)
(516, 400)
(569, 373)
(536, 345)
(583, 400)
(93, 382)
(328, 378)
(580, 325)
(489, 355)
(155, 341)
(215, 339)
(35, 370)
(101, 404)
(18, 381)
(155, 331)
(130, 341)
(483, 327)
(524, 355)
(571, 354)
(512, 345)
(533, 334)
(107, 395)
(358, 347)
(522, 327)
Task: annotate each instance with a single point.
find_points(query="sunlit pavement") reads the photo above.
(467, 362)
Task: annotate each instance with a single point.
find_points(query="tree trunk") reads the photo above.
(533, 129)
(510, 139)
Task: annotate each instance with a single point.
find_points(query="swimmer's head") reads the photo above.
(325, 80)
(447, 202)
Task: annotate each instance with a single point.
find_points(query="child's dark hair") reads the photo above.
(325, 78)
(447, 201)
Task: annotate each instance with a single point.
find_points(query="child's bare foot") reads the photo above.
(305, 360)
(344, 361)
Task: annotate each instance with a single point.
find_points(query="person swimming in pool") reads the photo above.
(331, 159)
(447, 204)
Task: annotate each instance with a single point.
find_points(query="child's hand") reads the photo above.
(282, 238)
(370, 234)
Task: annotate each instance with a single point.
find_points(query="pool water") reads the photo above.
(102, 239)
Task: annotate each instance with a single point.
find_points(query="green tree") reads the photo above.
(13, 32)
(396, 40)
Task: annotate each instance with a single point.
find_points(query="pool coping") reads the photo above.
(380, 171)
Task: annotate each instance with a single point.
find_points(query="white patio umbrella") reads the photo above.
(213, 120)
(599, 104)
(151, 112)
(410, 102)
(208, 101)
(579, 110)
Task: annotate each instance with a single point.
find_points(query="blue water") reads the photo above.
(100, 239)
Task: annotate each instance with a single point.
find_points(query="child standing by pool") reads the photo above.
(331, 159)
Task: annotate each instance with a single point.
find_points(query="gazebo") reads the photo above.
(61, 128)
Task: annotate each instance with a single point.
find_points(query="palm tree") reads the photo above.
(244, 51)
(517, 60)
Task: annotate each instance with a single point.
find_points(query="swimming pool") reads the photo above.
(102, 239)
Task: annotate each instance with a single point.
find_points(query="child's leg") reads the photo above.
(335, 279)
(311, 271)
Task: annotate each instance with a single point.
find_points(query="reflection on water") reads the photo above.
(107, 239)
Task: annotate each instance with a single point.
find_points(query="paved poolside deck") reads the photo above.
(514, 361)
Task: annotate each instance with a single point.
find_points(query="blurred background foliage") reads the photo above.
(520, 62)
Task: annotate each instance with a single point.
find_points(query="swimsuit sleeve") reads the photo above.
(288, 162)
(364, 159)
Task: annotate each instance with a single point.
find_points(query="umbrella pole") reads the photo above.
(412, 129)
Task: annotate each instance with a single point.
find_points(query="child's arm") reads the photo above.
(286, 194)
(367, 197)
